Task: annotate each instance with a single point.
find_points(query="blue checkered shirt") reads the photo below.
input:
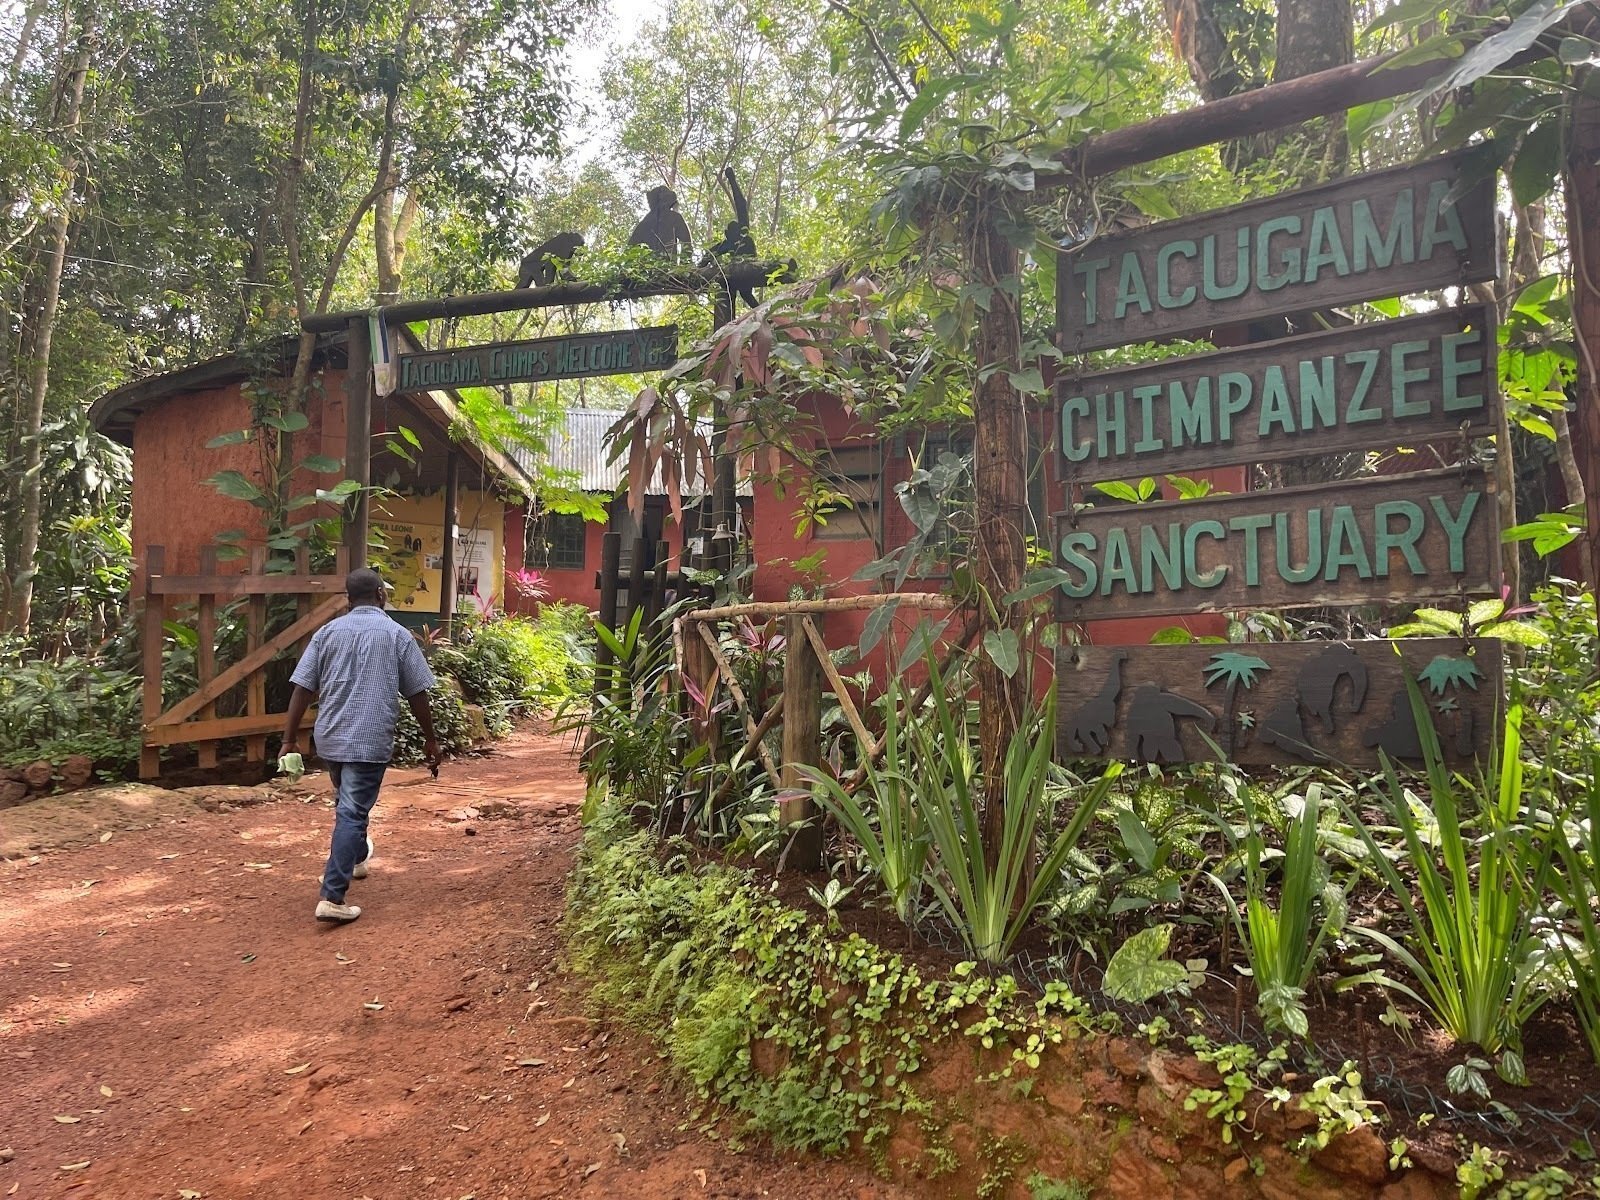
(359, 666)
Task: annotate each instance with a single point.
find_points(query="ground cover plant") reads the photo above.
(1281, 911)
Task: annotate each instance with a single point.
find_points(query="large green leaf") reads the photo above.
(235, 486)
(1533, 170)
(1001, 647)
(1138, 971)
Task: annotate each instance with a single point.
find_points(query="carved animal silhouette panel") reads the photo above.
(1276, 703)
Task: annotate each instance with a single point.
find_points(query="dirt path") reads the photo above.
(174, 1024)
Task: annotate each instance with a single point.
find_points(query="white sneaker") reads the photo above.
(360, 871)
(327, 910)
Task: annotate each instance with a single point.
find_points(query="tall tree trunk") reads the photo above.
(1583, 224)
(1315, 35)
(1000, 487)
(39, 382)
(19, 56)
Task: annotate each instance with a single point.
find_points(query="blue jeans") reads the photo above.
(356, 789)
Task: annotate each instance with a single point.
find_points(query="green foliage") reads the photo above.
(1140, 971)
(890, 834)
(991, 905)
(1571, 816)
(512, 665)
(1045, 1187)
(1469, 947)
(451, 725)
(49, 710)
(1282, 942)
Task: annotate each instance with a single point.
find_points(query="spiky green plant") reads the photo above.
(990, 907)
(888, 827)
(1282, 943)
(1468, 945)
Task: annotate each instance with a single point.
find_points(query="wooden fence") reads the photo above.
(194, 718)
(808, 674)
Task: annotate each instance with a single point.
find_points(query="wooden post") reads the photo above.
(152, 644)
(802, 743)
(358, 435)
(658, 586)
(447, 557)
(610, 560)
(205, 658)
(635, 581)
(719, 551)
(255, 746)
(1000, 488)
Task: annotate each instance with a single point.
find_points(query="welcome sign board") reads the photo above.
(1386, 233)
(623, 352)
(1384, 384)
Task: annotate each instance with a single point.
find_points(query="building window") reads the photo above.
(555, 542)
(853, 475)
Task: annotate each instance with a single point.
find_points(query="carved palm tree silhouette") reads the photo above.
(1236, 670)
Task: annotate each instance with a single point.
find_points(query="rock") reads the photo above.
(1235, 1171)
(12, 792)
(458, 815)
(1134, 1176)
(477, 726)
(217, 797)
(1126, 1057)
(39, 775)
(1419, 1185)
(1164, 1148)
(1358, 1154)
(77, 771)
(13, 774)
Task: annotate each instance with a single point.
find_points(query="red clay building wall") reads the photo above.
(174, 506)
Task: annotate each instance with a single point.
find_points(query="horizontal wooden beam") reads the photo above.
(1276, 106)
(215, 728)
(787, 608)
(681, 281)
(244, 585)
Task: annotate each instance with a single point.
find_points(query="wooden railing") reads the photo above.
(808, 672)
(193, 720)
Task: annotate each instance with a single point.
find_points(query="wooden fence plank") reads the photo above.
(206, 654)
(248, 585)
(802, 744)
(255, 746)
(846, 703)
(304, 627)
(199, 731)
(152, 652)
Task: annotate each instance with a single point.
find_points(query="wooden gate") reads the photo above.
(193, 720)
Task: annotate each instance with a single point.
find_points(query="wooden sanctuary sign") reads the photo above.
(1276, 703)
(1385, 384)
(1431, 535)
(1407, 229)
(1402, 538)
(622, 352)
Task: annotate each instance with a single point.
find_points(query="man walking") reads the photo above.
(357, 666)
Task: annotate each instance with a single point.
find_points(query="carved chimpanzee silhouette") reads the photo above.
(662, 229)
(539, 264)
(737, 241)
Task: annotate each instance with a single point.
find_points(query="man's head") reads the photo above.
(364, 586)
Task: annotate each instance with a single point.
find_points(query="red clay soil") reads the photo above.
(173, 1022)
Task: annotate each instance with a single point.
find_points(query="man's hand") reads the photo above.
(430, 753)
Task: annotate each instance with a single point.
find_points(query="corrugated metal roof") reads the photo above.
(581, 448)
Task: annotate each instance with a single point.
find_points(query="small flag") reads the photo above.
(384, 379)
